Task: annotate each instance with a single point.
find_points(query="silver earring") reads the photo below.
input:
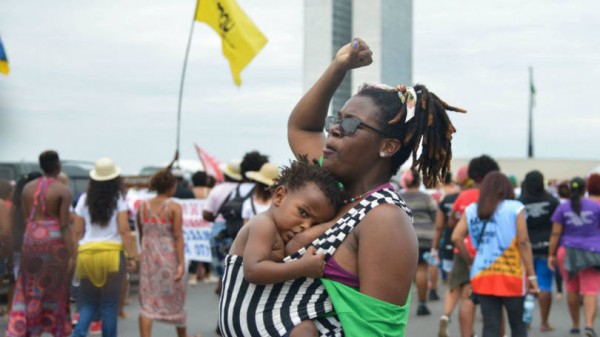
(382, 154)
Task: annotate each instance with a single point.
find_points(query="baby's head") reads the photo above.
(304, 195)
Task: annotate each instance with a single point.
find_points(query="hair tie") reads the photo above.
(407, 95)
(411, 102)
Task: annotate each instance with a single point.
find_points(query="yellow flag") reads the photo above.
(4, 68)
(241, 39)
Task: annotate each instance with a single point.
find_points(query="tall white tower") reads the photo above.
(386, 25)
(327, 27)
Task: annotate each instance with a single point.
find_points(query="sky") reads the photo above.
(93, 79)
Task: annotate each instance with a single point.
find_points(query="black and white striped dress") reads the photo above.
(247, 309)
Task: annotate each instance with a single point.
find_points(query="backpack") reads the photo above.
(231, 209)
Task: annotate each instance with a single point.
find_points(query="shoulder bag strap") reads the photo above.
(250, 192)
(481, 234)
(252, 204)
(227, 199)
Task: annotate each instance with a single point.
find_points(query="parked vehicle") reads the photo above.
(187, 167)
(78, 172)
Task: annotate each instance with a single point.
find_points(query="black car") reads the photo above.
(77, 171)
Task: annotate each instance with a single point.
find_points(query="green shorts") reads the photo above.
(460, 273)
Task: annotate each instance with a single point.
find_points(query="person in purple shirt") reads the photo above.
(576, 234)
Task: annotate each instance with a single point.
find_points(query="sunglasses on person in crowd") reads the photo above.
(348, 125)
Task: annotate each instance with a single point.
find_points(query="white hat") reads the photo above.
(177, 172)
(104, 170)
(232, 170)
(266, 175)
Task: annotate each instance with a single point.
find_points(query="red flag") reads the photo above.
(210, 163)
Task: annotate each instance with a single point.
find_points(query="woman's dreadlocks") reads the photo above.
(430, 128)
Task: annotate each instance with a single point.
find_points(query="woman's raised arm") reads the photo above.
(305, 125)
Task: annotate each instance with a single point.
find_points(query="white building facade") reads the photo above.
(386, 25)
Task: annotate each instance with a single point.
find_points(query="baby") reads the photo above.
(304, 195)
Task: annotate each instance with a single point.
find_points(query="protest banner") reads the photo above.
(196, 231)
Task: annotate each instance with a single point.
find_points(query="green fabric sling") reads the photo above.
(363, 315)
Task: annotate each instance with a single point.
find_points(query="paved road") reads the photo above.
(202, 304)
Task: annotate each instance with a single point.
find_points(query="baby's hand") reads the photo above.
(312, 263)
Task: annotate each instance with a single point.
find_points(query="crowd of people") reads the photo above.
(81, 250)
(496, 242)
(311, 248)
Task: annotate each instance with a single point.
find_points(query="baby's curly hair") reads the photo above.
(301, 171)
(162, 181)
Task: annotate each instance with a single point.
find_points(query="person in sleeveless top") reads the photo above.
(502, 270)
(102, 235)
(162, 285)
(367, 141)
(424, 210)
(41, 298)
(539, 207)
(460, 281)
(303, 195)
(372, 135)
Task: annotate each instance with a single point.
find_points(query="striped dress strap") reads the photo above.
(329, 241)
(246, 309)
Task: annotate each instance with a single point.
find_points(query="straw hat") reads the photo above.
(177, 172)
(232, 170)
(266, 175)
(105, 169)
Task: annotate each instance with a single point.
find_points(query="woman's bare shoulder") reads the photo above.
(175, 206)
(387, 223)
(387, 252)
(386, 216)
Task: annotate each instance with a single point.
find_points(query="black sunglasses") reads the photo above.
(348, 125)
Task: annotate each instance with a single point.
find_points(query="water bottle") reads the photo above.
(429, 258)
(76, 281)
(528, 307)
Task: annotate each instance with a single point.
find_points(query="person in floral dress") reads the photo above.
(41, 298)
(162, 286)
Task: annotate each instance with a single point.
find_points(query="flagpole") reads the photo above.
(187, 53)
(530, 135)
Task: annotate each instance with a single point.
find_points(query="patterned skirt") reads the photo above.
(41, 299)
